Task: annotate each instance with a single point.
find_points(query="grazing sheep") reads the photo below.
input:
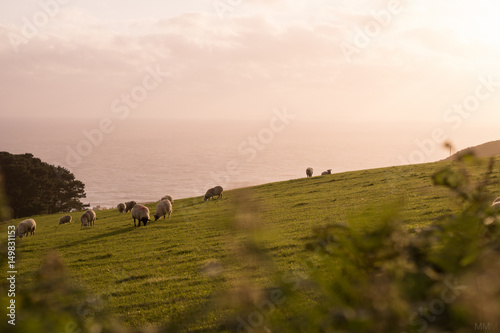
(215, 191)
(88, 218)
(327, 172)
(65, 219)
(25, 228)
(141, 213)
(121, 207)
(309, 172)
(129, 205)
(169, 198)
(163, 208)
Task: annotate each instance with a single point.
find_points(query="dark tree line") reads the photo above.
(34, 187)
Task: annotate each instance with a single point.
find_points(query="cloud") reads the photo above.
(241, 66)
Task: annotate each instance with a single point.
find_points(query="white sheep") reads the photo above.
(65, 219)
(121, 207)
(327, 172)
(88, 218)
(25, 228)
(129, 205)
(169, 198)
(215, 191)
(309, 172)
(141, 213)
(163, 208)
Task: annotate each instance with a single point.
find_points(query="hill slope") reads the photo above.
(152, 275)
(489, 149)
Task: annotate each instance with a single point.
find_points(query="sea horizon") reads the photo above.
(143, 159)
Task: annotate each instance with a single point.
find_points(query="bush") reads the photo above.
(34, 187)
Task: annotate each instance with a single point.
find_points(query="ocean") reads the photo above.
(144, 159)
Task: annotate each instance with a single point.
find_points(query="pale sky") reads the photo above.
(325, 60)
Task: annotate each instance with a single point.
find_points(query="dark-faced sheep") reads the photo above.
(164, 208)
(25, 228)
(327, 172)
(121, 207)
(169, 198)
(309, 172)
(215, 191)
(65, 219)
(129, 205)
(88, 218)
(141, 213)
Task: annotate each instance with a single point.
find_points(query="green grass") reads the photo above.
(150, 276)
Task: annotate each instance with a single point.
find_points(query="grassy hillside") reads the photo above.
(153, 275)
(488, 149)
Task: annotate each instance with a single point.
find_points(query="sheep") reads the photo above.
(216, 191)
(309, 172)
(129, 205)
(163, 208)
(169, 198)
(121, 207)
(141, 213)
(65, 219)
(327, 172)
(88, 218)
(25, 228)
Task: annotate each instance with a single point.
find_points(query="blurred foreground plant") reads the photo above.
(441, 278)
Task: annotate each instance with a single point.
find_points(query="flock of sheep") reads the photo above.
(140, 213)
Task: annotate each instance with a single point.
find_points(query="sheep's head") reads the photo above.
(156, 217)
(205, 198)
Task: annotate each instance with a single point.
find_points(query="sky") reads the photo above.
(338, 60)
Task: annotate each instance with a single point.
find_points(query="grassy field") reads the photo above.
(153, 275)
